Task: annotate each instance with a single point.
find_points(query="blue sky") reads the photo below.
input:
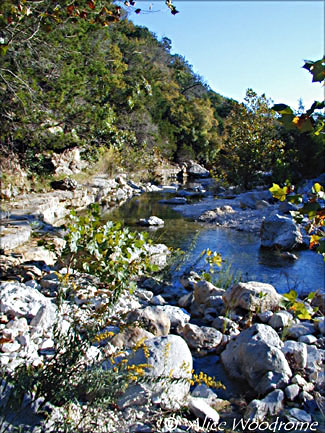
(235, 45)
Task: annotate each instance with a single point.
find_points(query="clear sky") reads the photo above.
(235, 45)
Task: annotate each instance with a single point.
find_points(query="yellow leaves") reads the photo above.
(278, 192)
(314, 241)
(317, 187)
(212, 257)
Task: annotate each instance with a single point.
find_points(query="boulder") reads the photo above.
(315, 362)
(206, 393)
(20, 300)
(295, 415)
(278, 231)
(201, 409)
(194, 169)
(280, 319)
(292, 391)
(299, 329)
(252, 296)
(168, 357)
(153, 320)
(200, 337)
(252, 199)
(204, 289)
(255, 356)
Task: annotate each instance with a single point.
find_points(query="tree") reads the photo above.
(251, 145)
(21, 20)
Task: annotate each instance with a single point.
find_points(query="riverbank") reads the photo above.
(277, 357)
(246, 325)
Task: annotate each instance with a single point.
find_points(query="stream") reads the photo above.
(240, 250)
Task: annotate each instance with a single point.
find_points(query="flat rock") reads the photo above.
(14, 235)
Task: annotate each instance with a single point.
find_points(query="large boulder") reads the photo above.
(256, 356)
(252, 296)
(168, 357)
(278, 231)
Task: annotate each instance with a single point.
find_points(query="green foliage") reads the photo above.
(22, 20)
(93, 87)
(290, 302)
(112, 253)
(251, 145)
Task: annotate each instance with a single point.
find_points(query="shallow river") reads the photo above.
(239, 249)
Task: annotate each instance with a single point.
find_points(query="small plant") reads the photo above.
(107, 251)
(290, 302)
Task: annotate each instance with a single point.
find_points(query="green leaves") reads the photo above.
(3, 49)
(297, 307)
(291, 296)
(112, 253)
(317, 69)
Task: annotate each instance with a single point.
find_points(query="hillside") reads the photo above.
(121, 97)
